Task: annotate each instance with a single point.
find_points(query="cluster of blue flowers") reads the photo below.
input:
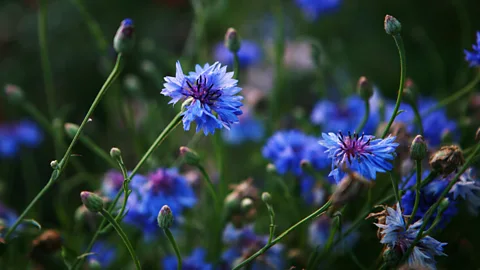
(15, 135)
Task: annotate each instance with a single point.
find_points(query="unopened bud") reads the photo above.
(54, 164)
(92, 201)
(410, 92)
(246, 204)
(266, 198)
(71, 129)
(418, 149)
(165, 217)
(364, 88)
(392, 25)
(125, 37)
(232, 40)
(116, 154)
(447, 136)
(271, 168)
(446, 160)
(190, 156)
(14, 93)
(305, 164)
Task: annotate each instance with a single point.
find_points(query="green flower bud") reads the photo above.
(125, 37)
(232, 41)
(71, 129)
(364, 88)
(165, 217)
(190, 156)
(271, 168)
(418, 149)
(410, 94)
(14, 93)
(116, 154)
(92, 201)
(266, 198)
(392, 25)
(54, 164)
(246, 204)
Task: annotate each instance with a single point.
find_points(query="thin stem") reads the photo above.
(418, 118)
(457, 94)
(320, 211)
(93, 27)
(434, 207)
(279, 50)
(271, 213)
(417, 192)
(64, 161)
(428, 179)
(175, 247)
(236, 65)
(403, 70)
(365, 117)
(210, 187)
(122, 235)
(46, 68)
(395, 187)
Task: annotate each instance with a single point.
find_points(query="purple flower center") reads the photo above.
(352, 146)
(160, 180)
(202, 91)
(115, 178)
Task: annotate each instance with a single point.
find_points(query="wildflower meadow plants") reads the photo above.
(188, 164)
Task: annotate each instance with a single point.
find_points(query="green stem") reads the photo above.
(46, 68)
(175, 247)
(171, 126)
(417, 192)
(279, 50)
(418, 118)
(211, 188)
(236, 65)
(395, 187)
(64, 161)
(403, 70)
(320, 211)
(434, 207)
(365, 117)
(93, 27)
(458, 94)
(271, 213)
(122, 235)
(428, 179)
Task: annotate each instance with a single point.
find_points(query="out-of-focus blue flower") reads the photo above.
(196, 261)
(428, 196)
(473, 58)
(313, 9)
(14, 135)
(249, 129)
(249, 54)
(397, 236)
(319, 232)
(149, 194)
(344, 117)
(243, 241)
(212, 93)
(312, 191)
(363, 154)
(468, 188)
(7, 218)
(104, 253)
(112, 183)
(286, 149)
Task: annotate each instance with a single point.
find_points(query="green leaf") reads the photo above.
(32, 222)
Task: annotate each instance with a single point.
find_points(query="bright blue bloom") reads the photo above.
(7, 218)
(313, 9)
(241, 242)
(319, 232)
(397, 236)
(428, 196)
(196, 261)
(363, 154)
(286, 149)
(249, 54)
(14, 135)
(105, 253)
(212, 95)
(249, 129)
(344, 117)
(474, 57)
(468, 188)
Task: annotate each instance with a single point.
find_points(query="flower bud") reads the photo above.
(418, 149)
(165, 217)
(364, 88)
(246, 204)
(392, 25)
(190, 156)
(93, 264)
(266, 198)
(271, 168)
(125, 37)
(305, 164)
(477, 135)
(92, 201)
(446, 160)
(447, 136)
(232, 41)
(14, 93)
(54, 164)
(410, 92)
(71, 129)
(116, 154)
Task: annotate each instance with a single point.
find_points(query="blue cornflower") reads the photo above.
(196, 261)
(212, 97)
(249, 54)
(312, 191)
(313, 9)
(112, 183)
(363, 154)
(104, 254)
(473, 58)
(286, 149)
(249, 129)
(243, 241)
(428, 196)
(7, 218)
(468, 188)
(319, 232)
(14, 135)
(395, 234)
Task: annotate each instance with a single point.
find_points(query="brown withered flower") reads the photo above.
(447, 160)
(47, 243)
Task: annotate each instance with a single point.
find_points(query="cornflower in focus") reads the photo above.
(211, 97)
(473, 58)
(195, 261)
(249, 54)
(15, 135)
(363, 154)
(313, 9)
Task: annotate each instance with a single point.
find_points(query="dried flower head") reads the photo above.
(446, 160)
